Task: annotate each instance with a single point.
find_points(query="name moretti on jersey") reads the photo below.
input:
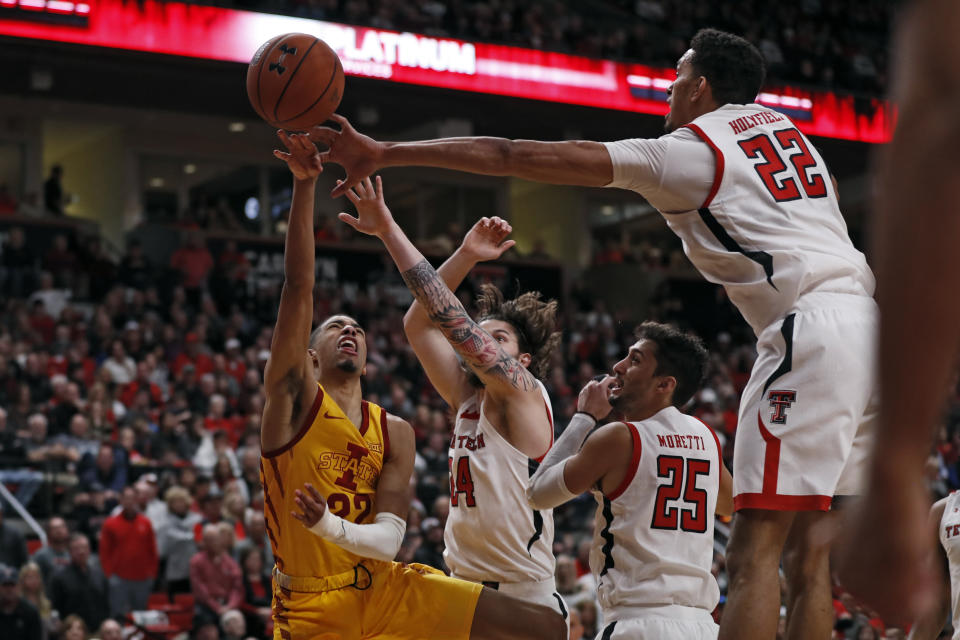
(675, 441)
(743, 123)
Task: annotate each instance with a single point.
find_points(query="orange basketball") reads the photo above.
(295, 81)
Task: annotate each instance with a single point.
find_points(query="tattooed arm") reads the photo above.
(478, 349)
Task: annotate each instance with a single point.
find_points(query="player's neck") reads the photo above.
(345, 391)
(639, 414)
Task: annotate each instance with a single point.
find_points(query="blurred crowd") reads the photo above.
(840, 45)
(130, 404)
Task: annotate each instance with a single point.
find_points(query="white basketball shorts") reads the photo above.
(808, 412)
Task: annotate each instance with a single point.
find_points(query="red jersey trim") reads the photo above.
(769, 498)
(364, 417)
(550, 420)
(718, 170)
(385, 430)
(781, 502)
(634, 463)
(307, 421)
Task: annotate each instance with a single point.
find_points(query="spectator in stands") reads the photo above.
(28, 481)
(32, 590)
(78, 443)
(149, 504)
(19, 619)
(98, 269)
(143, 380)
(65, 403)
(54, 199)
(257, 591)
(54, 300)
(120, 367)
(430, 551)
(192, 355)
(18, 261)
(61, 261)
(101, 479)
(128, 553)
(232, 625)
(110, 629)
(193, 262)
(135, 269)
(80, 588)
(215, 577)
(55, 555)
(13, 546)
(257, 538)
(176, 539)
(74, 628)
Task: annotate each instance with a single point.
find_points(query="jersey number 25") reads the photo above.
(682, 474)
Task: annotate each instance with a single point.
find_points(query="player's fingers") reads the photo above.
(282, 155)
(324, 135)
(341, 189)
(368, 186)
(350, 220)
(303, 140)
(379, 188)
(324, 157)
(509, 244)
(350, 193)
(316, 494)
(340, 120)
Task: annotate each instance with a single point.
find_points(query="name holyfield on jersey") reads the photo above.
(675, 441)
(743, 123)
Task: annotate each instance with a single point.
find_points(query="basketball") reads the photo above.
(295, 81)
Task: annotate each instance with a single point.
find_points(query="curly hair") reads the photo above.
(533, 318)
(681, 355)
(734, 68)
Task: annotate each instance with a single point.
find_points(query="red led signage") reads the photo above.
(225, 34)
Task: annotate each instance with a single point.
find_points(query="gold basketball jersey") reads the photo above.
(343, 461)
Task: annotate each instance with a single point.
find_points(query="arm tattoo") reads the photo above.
(477, 347)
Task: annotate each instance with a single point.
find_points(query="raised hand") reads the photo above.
(311, 503)
(356, 153)
(301, 156)
(487, 239)
(594, 398)
(374, 218)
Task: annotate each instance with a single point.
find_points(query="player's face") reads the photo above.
(506, 337)
(636, 384)
(678, 94)
(341, 341)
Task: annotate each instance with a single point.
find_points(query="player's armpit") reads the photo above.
(479, 350)
(604, 459)
(725, 497)
(393, 488)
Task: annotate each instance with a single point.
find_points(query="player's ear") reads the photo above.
(525, 359)
(667, 384)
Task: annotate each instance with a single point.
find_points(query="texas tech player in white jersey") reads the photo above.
(492, 534)
(759, 216)
(754, 204)
(950, 539)
(653, 541)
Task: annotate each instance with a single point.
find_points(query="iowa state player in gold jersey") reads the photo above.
(336, 472)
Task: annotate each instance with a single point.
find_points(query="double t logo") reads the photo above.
(781, 401)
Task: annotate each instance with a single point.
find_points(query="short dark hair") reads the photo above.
(533, 319)
(734, 68)
(679, 354)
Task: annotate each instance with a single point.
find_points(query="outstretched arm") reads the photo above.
(571, 162)
(479, 350)
(485, 241)
(288, 380)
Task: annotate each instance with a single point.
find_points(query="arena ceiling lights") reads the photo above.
(196, 31)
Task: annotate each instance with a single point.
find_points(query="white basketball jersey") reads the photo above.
(492, 534)
(770, 230)
(950, 539)
(653, 536)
